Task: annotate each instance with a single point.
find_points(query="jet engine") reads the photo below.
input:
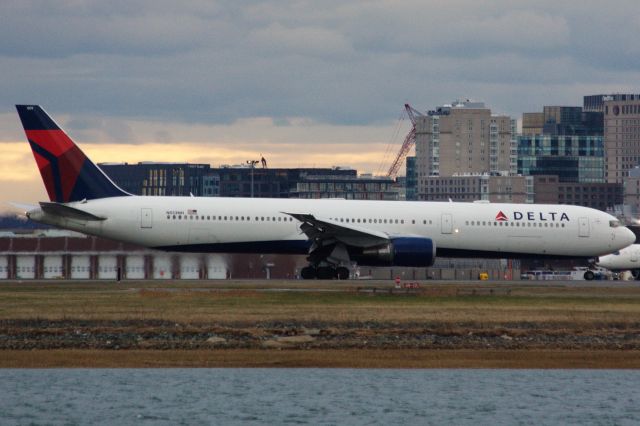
(402, 251)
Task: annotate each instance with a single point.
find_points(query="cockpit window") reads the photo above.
(614, 223)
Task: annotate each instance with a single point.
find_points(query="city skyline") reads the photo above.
(300, 83)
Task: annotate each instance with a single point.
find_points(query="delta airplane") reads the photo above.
(333, 233)
(626, 259)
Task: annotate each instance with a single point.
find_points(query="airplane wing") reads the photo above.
(330, 230)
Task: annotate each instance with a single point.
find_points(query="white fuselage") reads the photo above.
(624, 259)
(263, 225)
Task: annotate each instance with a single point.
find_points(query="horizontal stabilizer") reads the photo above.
(22, 207)
(61, 210)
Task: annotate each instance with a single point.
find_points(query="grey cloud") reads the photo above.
(300, 40)
(62, 29)
(100, 129)
(463, 33)
(337, 61)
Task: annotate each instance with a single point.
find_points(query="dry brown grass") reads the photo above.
(237, 302)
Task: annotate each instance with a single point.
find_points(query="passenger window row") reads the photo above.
(231, 218)
(515, 224)
(378, 221)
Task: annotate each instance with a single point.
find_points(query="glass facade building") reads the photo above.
(151, 178)
(571, 158)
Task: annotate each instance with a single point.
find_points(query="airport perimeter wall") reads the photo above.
(115, 266)
(67, 255)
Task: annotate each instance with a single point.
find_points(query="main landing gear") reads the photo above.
(325, 260)
(324, 273)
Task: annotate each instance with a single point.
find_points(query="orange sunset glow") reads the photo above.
(301, 144)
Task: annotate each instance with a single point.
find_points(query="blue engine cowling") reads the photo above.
(403, 251)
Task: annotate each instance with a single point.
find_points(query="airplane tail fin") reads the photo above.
(67, 173)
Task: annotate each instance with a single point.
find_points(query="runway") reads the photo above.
(335, 285)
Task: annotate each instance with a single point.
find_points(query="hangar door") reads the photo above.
(4, 267)
(162, 267)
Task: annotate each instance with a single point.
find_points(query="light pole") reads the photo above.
(252, 163)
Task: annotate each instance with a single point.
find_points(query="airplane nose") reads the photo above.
(627, 237)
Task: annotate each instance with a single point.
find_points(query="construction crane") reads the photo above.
(409, 141)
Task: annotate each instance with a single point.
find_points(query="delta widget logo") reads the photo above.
(501, 217)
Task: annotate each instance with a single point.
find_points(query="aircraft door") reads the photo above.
(583, 227)
(146, 218)
(447, 223)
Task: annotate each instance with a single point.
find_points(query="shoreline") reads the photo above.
(332, 358)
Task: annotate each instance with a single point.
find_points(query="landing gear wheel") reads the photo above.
(342, 273)
(308, 273)
(326, 273)
(589, 275)
(636, 274)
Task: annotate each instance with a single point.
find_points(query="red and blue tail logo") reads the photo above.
(67, 173)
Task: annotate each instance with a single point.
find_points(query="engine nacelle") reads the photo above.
(403, 251)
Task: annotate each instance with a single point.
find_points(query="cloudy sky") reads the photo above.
(303, 83)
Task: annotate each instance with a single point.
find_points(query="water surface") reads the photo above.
(319, 396)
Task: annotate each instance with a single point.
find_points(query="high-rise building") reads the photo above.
(571, 158)
(463, 137)
(532, 123)
(568, 158)
(411, 182)
(562, 120)
(621, 134)
(596, 102)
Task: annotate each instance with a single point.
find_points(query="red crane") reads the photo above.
(409, 141)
